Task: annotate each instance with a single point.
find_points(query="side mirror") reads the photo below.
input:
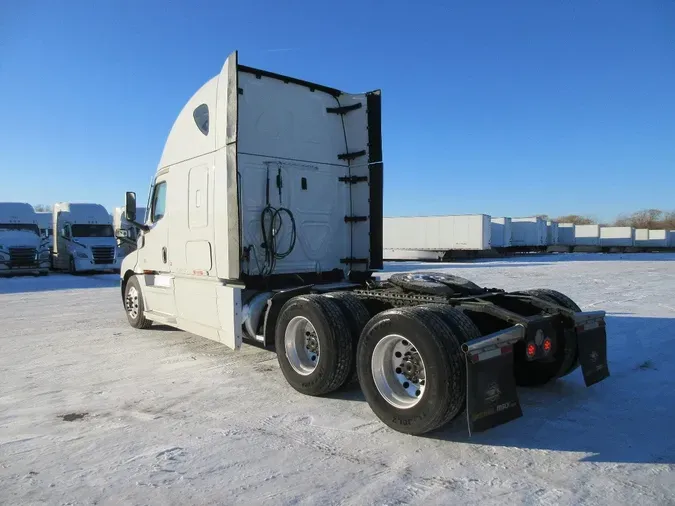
(130, 206)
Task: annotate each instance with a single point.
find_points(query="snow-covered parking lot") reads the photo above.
(95, 412)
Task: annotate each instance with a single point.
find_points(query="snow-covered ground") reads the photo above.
(171, 418)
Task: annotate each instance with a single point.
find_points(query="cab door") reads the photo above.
(154, 257)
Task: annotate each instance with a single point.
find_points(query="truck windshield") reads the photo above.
(26, 227)
(92, 230)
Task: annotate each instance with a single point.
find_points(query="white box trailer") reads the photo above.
(84, 239)
(617, 236)
(22, 249)
(658, 238)
(45, 222)
(566, 234)
(587, 235)
(642, 237)
(552, 233)
(126, 233)
(265, 224)
(437, 233)
(412, 254)
(530, 232)
(500, 232)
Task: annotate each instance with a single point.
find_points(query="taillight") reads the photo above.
(531, 350)
(547, 344)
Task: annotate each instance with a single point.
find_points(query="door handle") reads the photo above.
(164, 254)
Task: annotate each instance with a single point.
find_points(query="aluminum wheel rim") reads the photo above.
(132, 302)
(302, 345)
(398, 371)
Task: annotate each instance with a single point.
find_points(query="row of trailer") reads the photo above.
(74, 237)
(439, 237)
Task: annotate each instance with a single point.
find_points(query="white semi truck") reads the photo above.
(265, 226)
(21, 247)
(125, 232)
(83, 238)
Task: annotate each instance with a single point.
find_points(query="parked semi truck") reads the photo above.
(21, 247)
(83, 238)
(265, 226)
(126, 233)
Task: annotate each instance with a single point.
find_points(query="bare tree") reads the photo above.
(576, 219)
(647, 218)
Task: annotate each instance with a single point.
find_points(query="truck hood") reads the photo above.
(95, 241)
(19, 239)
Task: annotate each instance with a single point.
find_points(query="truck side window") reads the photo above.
(159, 202)
(201, 116)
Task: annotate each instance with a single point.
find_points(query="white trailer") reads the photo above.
(658, 238)
(552, 233)
(500, 232)
(126, 233)
(412, 254)
(265, 224)
(45, 222)
(437, 233)
(617, 237)
(642, 237)
(566, 234)
(21, 247)
(528, 232)
(587, 235)
(83, 238)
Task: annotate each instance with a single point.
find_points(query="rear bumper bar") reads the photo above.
(491, 394)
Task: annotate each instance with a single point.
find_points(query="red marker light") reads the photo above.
(547, 345)
(531, 350)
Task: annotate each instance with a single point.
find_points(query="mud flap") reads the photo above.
(592, 346)
(491, 395)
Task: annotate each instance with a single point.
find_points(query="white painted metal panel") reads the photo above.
(500, 229)
(412, 254)
(566, 234)
(529, 231)
(437, 233)
(658, 238)
(552, 237)
(587, 235)
(617, 236)
(641, 237)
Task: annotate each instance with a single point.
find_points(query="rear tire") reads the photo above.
(464, 328)
(537, 373)
(431, 387)
(133, 305)
(313, 344)
(356, 315)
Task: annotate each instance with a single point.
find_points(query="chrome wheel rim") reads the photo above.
(131, 302)
(398, 371)
(302, 345)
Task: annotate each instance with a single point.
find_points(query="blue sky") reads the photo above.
(506, 108)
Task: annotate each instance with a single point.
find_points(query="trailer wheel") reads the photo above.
(133, 304)
(410, 369)
(566, 358)
(356, 315)
(313, 344)
(435, 283)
